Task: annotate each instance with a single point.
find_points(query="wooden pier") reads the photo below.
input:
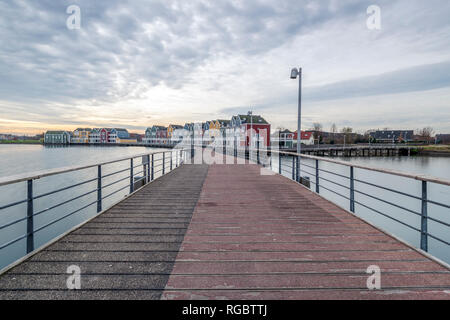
(227, 232)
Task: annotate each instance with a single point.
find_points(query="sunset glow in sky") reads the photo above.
(135, 64)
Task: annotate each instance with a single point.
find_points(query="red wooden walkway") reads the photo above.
(254, 236)
(226, 232)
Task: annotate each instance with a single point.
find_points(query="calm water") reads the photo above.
(19, 159)
(431, 166)
(22, 159)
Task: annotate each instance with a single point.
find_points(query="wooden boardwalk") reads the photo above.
(251, 236)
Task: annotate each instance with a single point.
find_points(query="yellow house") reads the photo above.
(214, 128)
(171, 129)
(81, 135)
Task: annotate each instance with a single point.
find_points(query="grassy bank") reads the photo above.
(20, 142)
(435, 150)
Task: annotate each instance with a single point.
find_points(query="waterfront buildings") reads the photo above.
(57, 137)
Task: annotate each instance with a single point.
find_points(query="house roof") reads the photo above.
(304, 136)
(176, 126)
(252, 119)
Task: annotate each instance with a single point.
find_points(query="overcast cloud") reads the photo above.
(139, 63)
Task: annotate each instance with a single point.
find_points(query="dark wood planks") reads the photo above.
(126, 253)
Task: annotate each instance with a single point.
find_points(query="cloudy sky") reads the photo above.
(138, 63)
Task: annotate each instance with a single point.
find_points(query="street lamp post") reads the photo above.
(294, 74)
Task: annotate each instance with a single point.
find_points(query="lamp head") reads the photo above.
(294, 73)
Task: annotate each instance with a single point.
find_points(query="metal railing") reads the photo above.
(139, 175)
(266, 158)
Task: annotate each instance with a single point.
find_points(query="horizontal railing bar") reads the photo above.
(388, 202)
(65, 202)
(385, 215)
(13, 204)
(63, 189)
(114, 173)
(389, 189)
(65, 216)
(321, 186)
(391, 172)
(117, 181)
(47, 209)
(52, 172)
(334, 182)
(438, 203)
(3, 246)
(333, 173)
(114, 192)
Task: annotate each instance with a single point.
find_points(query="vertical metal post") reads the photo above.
(299, 121)
(424, 219)
(352, 190)
(176, 159)
(164, 163)
(293, 168)
(30, 222)
(99, 189)
(153, 168)
(131, 176)
(317, 176)
(192, 147)
(297, 168)
(257, 149)
(148, 169)
(171, 160)
(279, 163)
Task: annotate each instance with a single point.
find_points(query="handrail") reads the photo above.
(420, 177)
(46, 173)
(136, 179)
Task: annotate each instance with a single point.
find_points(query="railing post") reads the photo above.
(164, 163)
(297, 168)
(176, 159)
(30, 222)
(317, 176)
(424, 219)
(153, 168)
(148, 168)
(293, 168)
(257, 148)
(352, 190)
(99, 189)
(171, 160)
(279, 163)
(131, 176)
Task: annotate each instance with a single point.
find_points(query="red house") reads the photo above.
(246, 124)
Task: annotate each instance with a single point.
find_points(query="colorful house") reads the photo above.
(81, 135)
(248, 127)
(307, 138)
(57, 137)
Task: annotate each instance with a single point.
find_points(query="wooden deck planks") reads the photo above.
(126, 253)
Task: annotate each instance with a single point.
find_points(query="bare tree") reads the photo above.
(333, 128)
(426, 133)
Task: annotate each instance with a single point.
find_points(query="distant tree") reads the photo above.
(333, 128)
(318, 128)
(426, 133)
(347, 131)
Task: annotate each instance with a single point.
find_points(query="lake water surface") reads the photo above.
(22, 159)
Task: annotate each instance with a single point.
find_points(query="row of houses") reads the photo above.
(90, 136)
(243, 128)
